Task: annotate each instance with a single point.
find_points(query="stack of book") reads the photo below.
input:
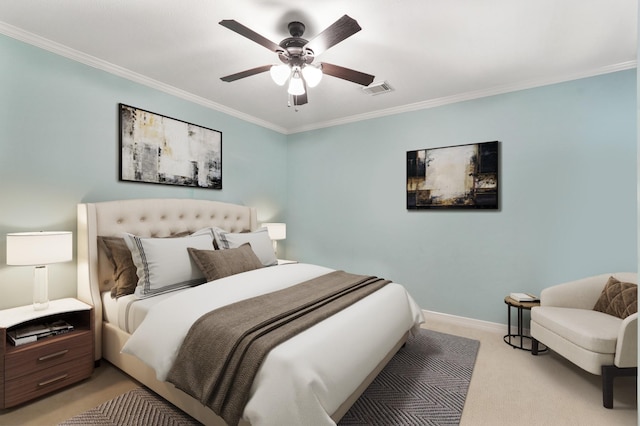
(31, 333)
(524, 297)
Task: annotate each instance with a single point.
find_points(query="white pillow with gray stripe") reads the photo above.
(259, 240)
(164, 264)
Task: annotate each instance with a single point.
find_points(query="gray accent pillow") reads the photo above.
(124, 271)
(216, 264)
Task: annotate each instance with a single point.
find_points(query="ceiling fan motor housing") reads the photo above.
(294, 53)
(296, 29)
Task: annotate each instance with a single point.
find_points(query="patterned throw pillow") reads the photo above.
(618, 299)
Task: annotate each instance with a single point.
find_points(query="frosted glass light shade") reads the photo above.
(280, 74)
(312, 75)
(296, 86)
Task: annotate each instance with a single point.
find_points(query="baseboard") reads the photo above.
(469, 322)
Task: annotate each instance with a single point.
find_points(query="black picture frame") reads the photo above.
(454, 177)
(162, 150)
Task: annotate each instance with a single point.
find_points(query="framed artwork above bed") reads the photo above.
(159, 149)
(454, 177)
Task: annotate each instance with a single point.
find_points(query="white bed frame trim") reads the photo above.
(158, 218)
(147, 218)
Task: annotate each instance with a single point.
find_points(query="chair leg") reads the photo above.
(610, 372)
(607, 385)
(534, 346)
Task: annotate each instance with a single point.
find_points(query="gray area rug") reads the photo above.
(425, 383)
(138, 407)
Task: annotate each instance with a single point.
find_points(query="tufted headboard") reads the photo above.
(148, 218)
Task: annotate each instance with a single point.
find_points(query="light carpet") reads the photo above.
(425, 383)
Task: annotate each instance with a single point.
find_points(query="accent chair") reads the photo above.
(592, 322)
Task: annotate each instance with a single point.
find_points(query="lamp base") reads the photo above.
(40, 306)
(41, 288)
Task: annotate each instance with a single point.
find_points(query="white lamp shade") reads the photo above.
(39, 248)
(312, 75)
(296, 86)
(280, 74)
(277, 231)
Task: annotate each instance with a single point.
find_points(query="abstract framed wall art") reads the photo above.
(454, 177)
(164, 150)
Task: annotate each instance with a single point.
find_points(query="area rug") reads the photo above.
(425, 383)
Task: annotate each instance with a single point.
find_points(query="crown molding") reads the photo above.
(62, 50)
(92, 61)
(461, 97)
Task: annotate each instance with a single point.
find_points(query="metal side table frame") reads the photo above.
(520, 306)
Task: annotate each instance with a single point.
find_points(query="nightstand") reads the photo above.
(34, 369)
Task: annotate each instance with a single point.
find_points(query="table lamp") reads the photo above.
(39, 249)
(277, 231)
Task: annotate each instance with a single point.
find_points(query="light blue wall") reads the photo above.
(568, 181)
(567, 196)
(59, 147)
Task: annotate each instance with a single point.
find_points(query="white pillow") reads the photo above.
(164, 264)
(259, 241)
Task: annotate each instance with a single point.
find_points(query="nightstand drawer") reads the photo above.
(47, 353)
(24, 388)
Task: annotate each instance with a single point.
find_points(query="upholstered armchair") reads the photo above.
(602, 341)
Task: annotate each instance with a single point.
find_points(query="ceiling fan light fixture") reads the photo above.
(312, 75)
(296, 85)
(297, 55)
(280, 74)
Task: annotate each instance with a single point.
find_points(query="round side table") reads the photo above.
(519, 337)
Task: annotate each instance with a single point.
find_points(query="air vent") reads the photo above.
(377, 88)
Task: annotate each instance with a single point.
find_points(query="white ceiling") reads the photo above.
(432, 52)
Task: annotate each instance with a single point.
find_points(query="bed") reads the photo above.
(313, 377)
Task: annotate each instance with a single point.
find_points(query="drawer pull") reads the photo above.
(55, 355)
(55, 379)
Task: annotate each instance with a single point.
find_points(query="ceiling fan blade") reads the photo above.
(341, 29)
(250, 34)
(347, 74)
(247, 73)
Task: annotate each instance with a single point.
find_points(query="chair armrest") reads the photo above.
(627, 345)
(579, 294)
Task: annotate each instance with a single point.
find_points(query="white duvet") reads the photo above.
(305, 379)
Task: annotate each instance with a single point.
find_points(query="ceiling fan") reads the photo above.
(297, 56)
